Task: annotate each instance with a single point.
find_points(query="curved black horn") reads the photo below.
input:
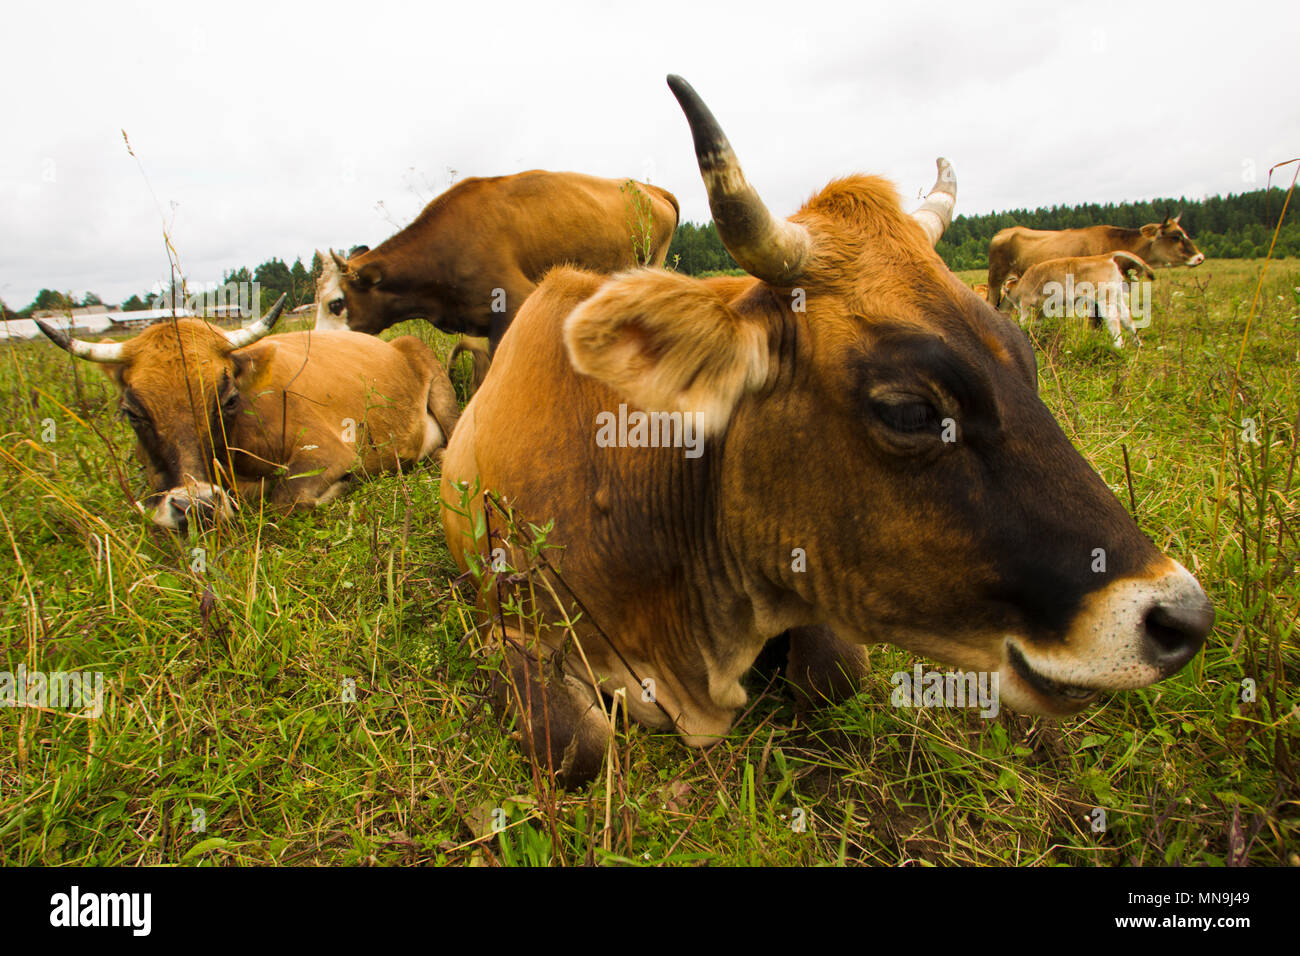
(772, 249)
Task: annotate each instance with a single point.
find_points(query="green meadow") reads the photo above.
(301, 690)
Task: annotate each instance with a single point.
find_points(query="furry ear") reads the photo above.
(1151, 230)
(253, 366)
(668, 343)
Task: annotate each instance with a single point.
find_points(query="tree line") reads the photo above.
(1236, 226)
(274, 277)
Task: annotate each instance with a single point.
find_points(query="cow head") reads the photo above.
(860, 403)
(348, 293)
(1170, 244)
(182, 385)
(1009, 285)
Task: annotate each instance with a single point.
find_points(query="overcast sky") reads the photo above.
(264, 131)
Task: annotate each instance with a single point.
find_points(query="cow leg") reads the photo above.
(1126, 319)
(561, 724)
(1112, 326)
(323, 474)
(999, 269)
(824, 668)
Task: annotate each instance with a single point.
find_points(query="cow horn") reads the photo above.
(103, 352)
(260, 328)
(935, 214)
(771, 249)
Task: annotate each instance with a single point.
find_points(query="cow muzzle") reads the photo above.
(195, 505)
(1129, 634)
(1197, 259)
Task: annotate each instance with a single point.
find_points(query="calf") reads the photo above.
(1077, 286)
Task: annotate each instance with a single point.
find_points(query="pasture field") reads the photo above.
(230, 733)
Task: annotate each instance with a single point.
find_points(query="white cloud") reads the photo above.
(267, 132)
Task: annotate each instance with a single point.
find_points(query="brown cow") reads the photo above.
(289, 419)
(1015, 250)
(475, 253)
(1078, 286)
(846, 446)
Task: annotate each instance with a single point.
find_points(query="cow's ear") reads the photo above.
(368, 276)
(253, 366)
(1151, 230)
(668, 343)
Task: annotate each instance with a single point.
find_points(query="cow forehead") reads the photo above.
(930, 305)
(165, 355)
(330, 284)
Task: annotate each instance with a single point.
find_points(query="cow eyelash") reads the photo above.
(135, 418)
(910, 417)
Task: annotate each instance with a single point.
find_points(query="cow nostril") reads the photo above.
(1176, 631)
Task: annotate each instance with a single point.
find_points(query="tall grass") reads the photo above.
(302, 690)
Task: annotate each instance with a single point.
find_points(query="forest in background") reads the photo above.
(1237, 226)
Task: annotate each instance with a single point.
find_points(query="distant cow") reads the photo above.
(290, 419)
(846, 446)
(1015, 250)
(1079, 286)
(476, 252)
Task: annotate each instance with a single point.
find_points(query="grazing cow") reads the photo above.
(846, 446)
(290, 419)
(1158, 244)
(471, 258)
(1078, 286)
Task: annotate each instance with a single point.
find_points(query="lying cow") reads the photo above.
(1079, 286)
(867, 460)
(476, 252)
(290, 419)
(1015, 250)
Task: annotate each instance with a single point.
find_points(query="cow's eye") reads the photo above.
(336, 307)
(908, 416)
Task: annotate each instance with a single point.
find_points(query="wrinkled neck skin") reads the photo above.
(715, 586)
(757, 557)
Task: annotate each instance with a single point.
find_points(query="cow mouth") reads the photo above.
(1071, 697)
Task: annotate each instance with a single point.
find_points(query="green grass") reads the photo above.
(226, 681)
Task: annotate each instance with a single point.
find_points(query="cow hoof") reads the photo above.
(822, 668)
(557, 709)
